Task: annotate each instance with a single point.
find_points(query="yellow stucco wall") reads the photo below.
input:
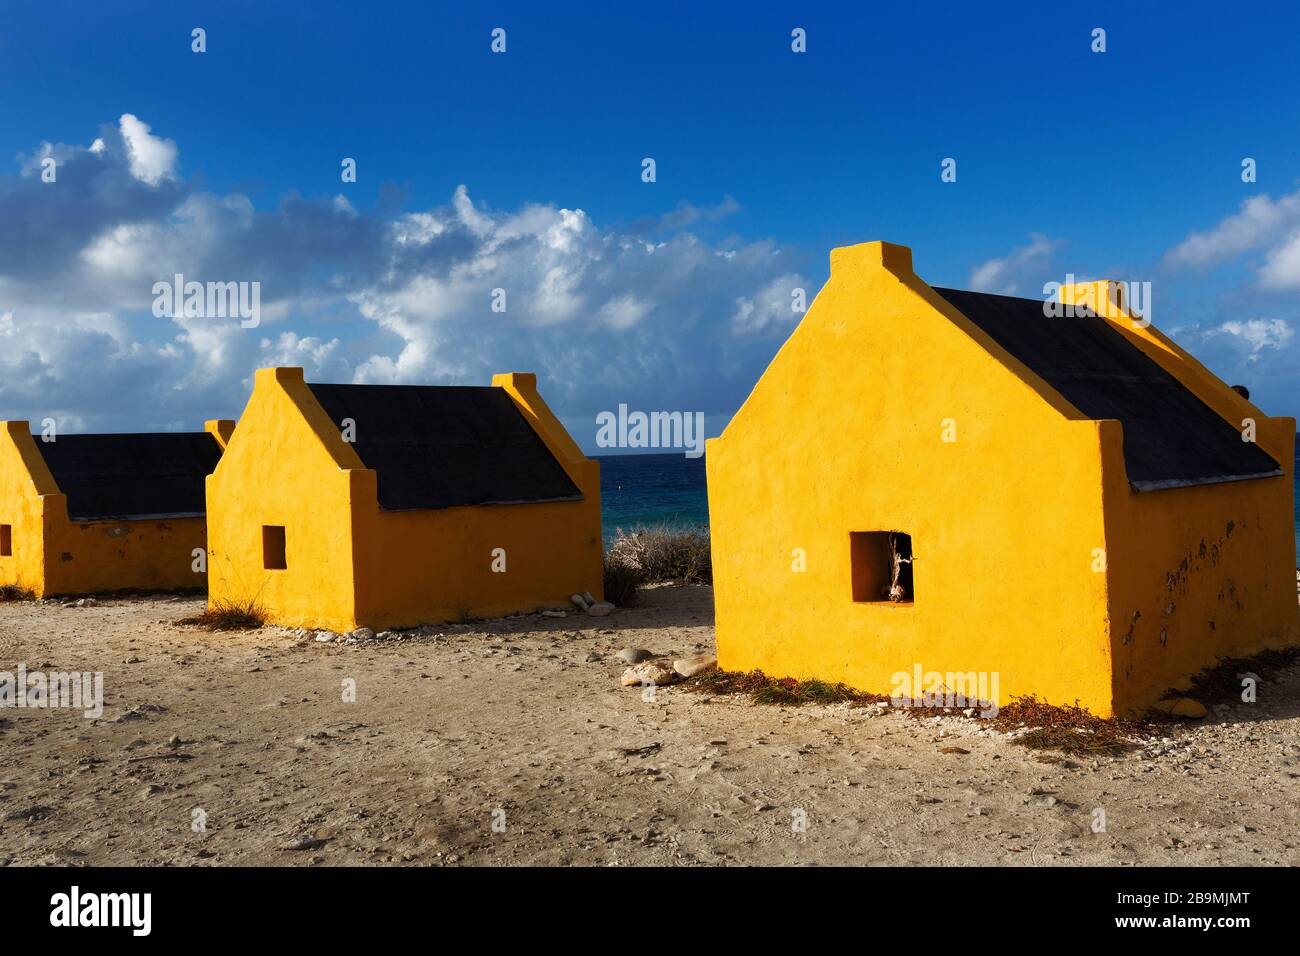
(285, 465)
(844, 432)
(56, 555)
(351, 564)
(155, 554)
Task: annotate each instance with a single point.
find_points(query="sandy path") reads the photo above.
(525, 715)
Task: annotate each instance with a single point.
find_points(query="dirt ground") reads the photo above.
(511, 742)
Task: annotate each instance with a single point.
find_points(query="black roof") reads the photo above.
(145, 475)
(439, 446)
(1171, 437)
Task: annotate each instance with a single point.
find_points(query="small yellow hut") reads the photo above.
(342, 506)
(92, 513)
(1038, 498)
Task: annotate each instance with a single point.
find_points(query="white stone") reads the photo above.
(601, 609)
(648, 672)
(699, 664)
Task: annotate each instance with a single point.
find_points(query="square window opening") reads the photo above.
(6, 540)
(273, 558)
(881, 567)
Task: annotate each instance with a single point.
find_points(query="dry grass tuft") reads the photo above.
(229, 616)
(1069, 729)
(622, 581)
(1077, 743)
(12, 592)
(783, 691)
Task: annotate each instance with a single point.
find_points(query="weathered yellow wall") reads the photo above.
(844, 433)
(1196, 574)
(55, 555)
(351, 564)
(146, 555)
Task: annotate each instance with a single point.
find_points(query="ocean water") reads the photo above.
(652, 491)
(670, 491)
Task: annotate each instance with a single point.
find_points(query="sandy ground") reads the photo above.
(525, 715)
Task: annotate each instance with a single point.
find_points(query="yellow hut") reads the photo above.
(933, 488)
(90, 513)
(342, 506)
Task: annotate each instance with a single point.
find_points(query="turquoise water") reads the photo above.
(669, 490)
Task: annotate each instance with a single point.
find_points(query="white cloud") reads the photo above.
(152, 159)
(126, 250)
(1281, 269)
(471, 218)
(772, 307)
(573, 290)
(1021, 267)
(1259, 222)
(624, 311)
(318, 357)
(1257, 334)
(688, 214)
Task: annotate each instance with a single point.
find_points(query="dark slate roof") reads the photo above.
(1171, 437)
(436, 446)
(146, 475)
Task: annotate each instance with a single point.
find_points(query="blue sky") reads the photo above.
(522, 171)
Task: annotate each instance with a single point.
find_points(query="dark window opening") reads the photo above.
(273, 547)
(6, 540)
(881, 563)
